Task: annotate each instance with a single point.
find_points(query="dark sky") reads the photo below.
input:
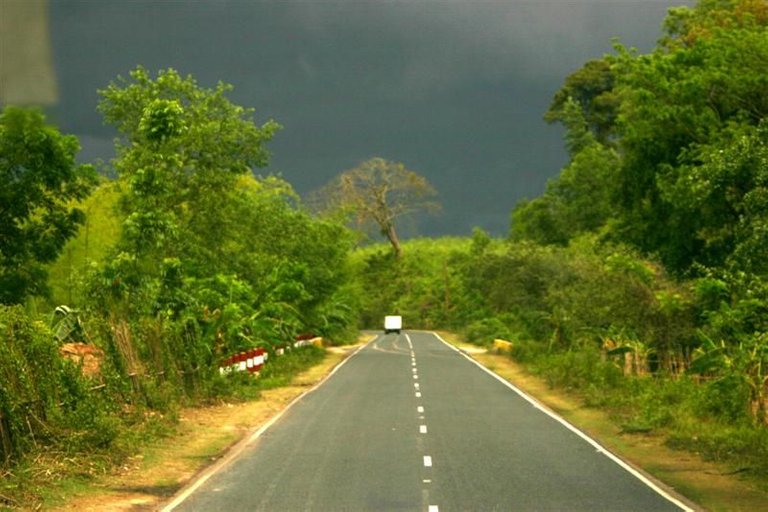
(454, 90)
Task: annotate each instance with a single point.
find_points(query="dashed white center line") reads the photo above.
(422, 429)
(433, 508)
(418, 394)
(416, 385)
(427, 461)
(414, 370)
(415, 376)
(420, 408)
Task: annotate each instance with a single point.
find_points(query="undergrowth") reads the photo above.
(708, 417)
(46, 470)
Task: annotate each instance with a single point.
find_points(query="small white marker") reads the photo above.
(422, 429)
(433, 508)
(416, 385)
(418, 395)
(427, 481)
(420, 408)
(415, 376)
(427, 461)
(414, 370)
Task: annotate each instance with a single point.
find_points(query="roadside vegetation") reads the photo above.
(638, 280)
(183, 260)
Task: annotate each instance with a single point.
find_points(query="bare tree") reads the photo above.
(376, 193)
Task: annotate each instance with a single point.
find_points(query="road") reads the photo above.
(409, 423)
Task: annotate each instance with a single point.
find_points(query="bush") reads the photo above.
(483, 332)
(42, 396)
(739, 442)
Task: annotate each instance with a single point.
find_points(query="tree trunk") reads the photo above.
(392, 236)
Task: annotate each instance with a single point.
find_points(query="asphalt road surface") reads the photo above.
(409, 423)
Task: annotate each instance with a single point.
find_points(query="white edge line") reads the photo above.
(238, 448)
(538, 405)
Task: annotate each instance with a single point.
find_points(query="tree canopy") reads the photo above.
(377, 193)
(39, 179)
(648, 134)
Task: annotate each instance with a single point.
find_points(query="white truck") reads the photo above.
(393, 323)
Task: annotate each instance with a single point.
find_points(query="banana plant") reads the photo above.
(746, 360)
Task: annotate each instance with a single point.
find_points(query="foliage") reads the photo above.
(186, 259)
(667, 148)
(591, 89)
(93, 242)
(378, 192)
(38, 180)
(422, 285)
(43, 398)
(699, 93)
(667, 174)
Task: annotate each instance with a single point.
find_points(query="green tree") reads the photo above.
(581, 198)
(591, 88)
(181, 144)
(198, 223)
(706, 77)
(378, 192)
(38, 181)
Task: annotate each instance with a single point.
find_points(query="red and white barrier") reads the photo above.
(254, 359)
(250, 361)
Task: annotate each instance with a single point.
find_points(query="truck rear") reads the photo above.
(393, 323)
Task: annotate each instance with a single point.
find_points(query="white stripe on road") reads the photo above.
(418, 395)
(433, 508)
(420, 408)
(573, 429)
(422, 429)
(427, 461)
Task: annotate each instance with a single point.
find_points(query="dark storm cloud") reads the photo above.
(455, 90)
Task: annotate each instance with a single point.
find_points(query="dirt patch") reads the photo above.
(88, 357)
(711, 486)
(204, 435)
